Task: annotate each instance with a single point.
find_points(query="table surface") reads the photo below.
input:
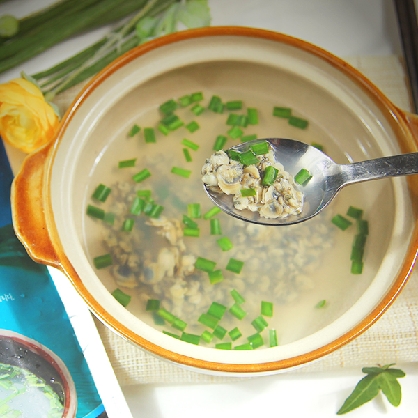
(345, 28)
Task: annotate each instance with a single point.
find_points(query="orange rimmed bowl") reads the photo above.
(347, 113)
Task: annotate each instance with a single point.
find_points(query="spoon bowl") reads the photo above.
(328, 177)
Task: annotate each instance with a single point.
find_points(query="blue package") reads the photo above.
(31, 306)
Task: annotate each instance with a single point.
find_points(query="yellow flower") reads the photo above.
(27, 121)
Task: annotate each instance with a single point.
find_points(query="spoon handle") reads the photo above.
(397, 165)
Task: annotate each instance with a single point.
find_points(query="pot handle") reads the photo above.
(28, 209)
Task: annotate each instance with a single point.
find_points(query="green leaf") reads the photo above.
(390, 387)
(365, 390)
(194, 14)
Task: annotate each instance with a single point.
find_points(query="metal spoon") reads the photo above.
(328, 178)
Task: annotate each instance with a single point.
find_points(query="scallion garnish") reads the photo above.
(363, 226)
(357, 267)
(204, 264)
(163, 129)
(302, 177)
(220, 142)
(259, 323)
(354, 212)
(206, 336)
(215, 227)
(109, 218)
(187, 155)
(266, 308)
(273, 342)
(190, 223)
(182, 172)
(193, 210)
(235, 334)
(127, 163)
(260, 148)
(341, 222)
(121, 297)
(219, 332)
(233, 105)
(234, 265)
(102, 261)
(144, 193)
(270, 175)
(190, 338)
(191, 232)
(223, 346)
(168, 107)
(128, 225)
(252, 116)
(208, 320)
(237, 311)
(185, 100)
(166, 315)
(101, 192)
(138, 205)
(215, 276)
(217, 310)
(245, 346)
(197, 109)
(197, 96)
(256, 340)
(141, 175)
(95, 212)
(225, 244)
(321, 304)
(134, 130)
(215, 104)
(149, 135)
(298, 122)
(153, 305)
(249, 137)
(238, 298)
(282, 112)
(190, 144)
(192, 126)
(248, 192)
(170, 334)
(212, 212)
(235, 132)
(179, 324)
(232, 119)
(318, 146)
(248, 158)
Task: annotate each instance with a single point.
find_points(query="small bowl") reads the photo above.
(346, 113)
(23, 353)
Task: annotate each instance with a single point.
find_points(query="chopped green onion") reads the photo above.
(259, 323)
(354, 212)
(238, 298)
(175, 124)
(215, 276)
(168, 107)
(102, 261)
(341, 222)
(127, 163)
(121, 297)
(179, 324)
(357, 254)
(141, 175)
(270, 175)
(187, 155)
(182, 172)
(225, 243)
(243, 121)
(266, 308)
(198, 109)
(193, 210)
(303, 177)
(95, 212)
(138, 205)
(249, 137)
(321, 304)
(260, 148)
(219, 142)
(235, 132)
(233, 105)
(208, 320)
(219, 332)
(163, 129)
(223, 346)
(128, 225)
(233, 119)
(190, 338)
(109, 218)
(204, 264)
(153, 305)
(357, 267)
(157, 319)
(192, 126)
(212, 212)
(215, 104)
(190, 223)
(101, 192)
(149, 135)
(298, 122)
(237, 311)
(217, 310)
(318, 146)
(256, 340)
(252, 116)
(171, 335)
(190, 144)
(215, 227)
(273, 338)
(134, 130)
(166, 315)
(197, 96)
(282, 112)
(206, 336)
(233, 155)
(235, 334)
(144, 193)
(185, 100)
(248, 192)
(155, 212)
(359, 241)
(363, 226)
(191, 232)
(248, 158)
(245, 346)
(234, 265)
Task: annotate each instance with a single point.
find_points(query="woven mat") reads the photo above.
(393, 339)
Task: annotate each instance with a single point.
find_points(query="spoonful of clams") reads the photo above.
(280, 181)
